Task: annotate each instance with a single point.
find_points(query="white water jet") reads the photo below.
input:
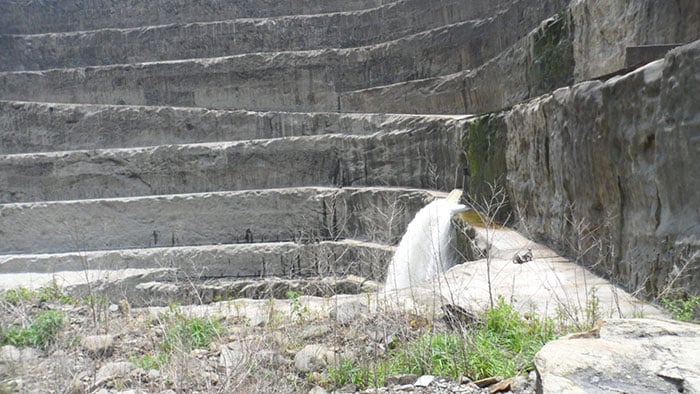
(426, 248)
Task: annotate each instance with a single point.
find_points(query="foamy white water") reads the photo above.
(425, 250)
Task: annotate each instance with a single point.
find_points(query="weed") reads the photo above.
(505, 344)
(187, 333)
(17, 296)
(49, 293)
(40, 333)
(298, 310)
(148, 361)
(684, 308)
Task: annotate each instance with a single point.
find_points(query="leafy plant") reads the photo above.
(684, 308)
(148, 361)
(504, 344)
(298, 310)
(41, 332)
(187, 333)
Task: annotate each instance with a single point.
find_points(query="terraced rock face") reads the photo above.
(234, 132)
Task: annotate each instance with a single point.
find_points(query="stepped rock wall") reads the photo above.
(40, 16)
(608, 171)
(197, 40)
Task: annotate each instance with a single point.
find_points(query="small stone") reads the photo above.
(424, 381)
(315, 332)
(503, 385)
(98, 345)
(318, 390)
(231, 358)
(114, 370)
(401, 380)
(348, 388)
(10, 354)
(347, 312)
(315, 358)
(488, 381)
(270, 359)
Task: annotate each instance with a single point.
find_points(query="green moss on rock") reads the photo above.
(552, 54)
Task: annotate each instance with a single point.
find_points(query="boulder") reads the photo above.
(632, 355)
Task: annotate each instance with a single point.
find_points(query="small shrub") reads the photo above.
(683, 307)
(190, 333)
(41, 332)
(504, 344)
(17, 296)
(148, 361)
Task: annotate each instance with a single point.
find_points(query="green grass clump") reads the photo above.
(683, 307)
(148, 361)
(49, 293)
(504, 343)
(40, 333)
(187, 333)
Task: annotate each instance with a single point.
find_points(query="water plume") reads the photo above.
(426, 248)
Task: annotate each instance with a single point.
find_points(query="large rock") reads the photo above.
(605, 28)
(632, 356)
(605, 171)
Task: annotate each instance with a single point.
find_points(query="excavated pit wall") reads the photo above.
(586, 40)
(297, 81)
(273, 215)
(229, 37)
(608, 172)
(40, 16)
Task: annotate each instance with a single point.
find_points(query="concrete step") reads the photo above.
(307, 214)
(43, 127)
(422, 159)
(287, 81)
(248, 260)
(43, 16)
(202, 40)
(538, 63)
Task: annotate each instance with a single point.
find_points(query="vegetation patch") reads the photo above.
(40, 333)
(504, 343)
(188, 333)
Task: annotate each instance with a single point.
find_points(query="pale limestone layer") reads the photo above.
(49, 16)
(295, 214)
(605, 29)
(46, 127)
(246, 260)
(229, 37)
(420, 159)
(588, 41)
(550, 285)
(290, 80)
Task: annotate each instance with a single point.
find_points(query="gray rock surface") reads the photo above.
(98, 345)
(636, 356)
(605, 29)
(409, 159)
(49, 16)
(291, 80)
(619, 176)
(113, 370)
(230, 37)
(47, 127)
(316, 357)
(209, 218)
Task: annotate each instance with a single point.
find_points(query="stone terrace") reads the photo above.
(231, 137)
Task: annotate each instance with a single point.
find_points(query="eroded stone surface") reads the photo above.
(636, 355)
(619, 176)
